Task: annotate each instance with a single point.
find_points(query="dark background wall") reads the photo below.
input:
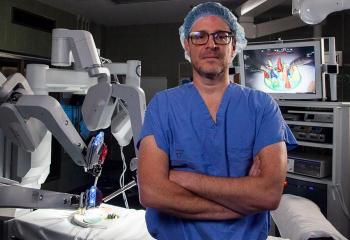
(157, 46)
(22, 39)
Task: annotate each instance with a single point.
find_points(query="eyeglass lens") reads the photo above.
(202, 37)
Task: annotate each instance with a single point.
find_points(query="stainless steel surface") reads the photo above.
(119, 191)
(13, 196)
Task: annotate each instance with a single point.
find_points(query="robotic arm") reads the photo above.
(82, 45)
(315, 11)
(24, 114)
(25, 120)
(102, 98)
(79, 43)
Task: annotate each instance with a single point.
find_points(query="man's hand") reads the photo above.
(179, 177)
(255, 168)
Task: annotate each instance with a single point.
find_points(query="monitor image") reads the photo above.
(289, 70)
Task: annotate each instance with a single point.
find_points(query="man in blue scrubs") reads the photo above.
(212, 153)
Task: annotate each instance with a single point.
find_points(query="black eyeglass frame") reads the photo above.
(230, 36)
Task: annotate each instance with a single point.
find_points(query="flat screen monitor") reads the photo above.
(285, 70)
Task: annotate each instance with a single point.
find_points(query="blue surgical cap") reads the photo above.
(213, 9)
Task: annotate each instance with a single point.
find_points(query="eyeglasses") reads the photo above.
(201, 37)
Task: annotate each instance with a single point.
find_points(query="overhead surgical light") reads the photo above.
(315, 11)
(250, 5)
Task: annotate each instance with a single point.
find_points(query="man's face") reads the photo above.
(210, 60)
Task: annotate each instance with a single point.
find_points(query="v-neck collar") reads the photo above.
(222, 106)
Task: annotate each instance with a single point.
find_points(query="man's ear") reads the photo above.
(186, 45)
(233, 47)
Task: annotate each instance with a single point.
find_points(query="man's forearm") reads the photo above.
(173, 199)
(244, 195)
(259, 191)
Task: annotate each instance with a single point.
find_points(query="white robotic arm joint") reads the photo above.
(79, 44)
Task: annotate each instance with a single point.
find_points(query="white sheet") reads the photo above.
(57, 224)
(298, 218)
(53, 224)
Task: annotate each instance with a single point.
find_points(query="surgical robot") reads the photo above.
(25, 120)
(27, 117)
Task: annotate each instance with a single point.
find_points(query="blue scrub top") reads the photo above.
(247, 120)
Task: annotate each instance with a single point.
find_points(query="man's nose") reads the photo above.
(211, 42)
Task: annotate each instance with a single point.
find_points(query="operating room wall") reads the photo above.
(21, 39)
(156, 45)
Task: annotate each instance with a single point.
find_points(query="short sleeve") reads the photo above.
(155, 123)
(271, 127)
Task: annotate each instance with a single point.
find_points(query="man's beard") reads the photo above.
(211, 74)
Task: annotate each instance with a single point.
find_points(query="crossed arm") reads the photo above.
(198, 196)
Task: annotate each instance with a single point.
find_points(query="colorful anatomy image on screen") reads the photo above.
(281, 70)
